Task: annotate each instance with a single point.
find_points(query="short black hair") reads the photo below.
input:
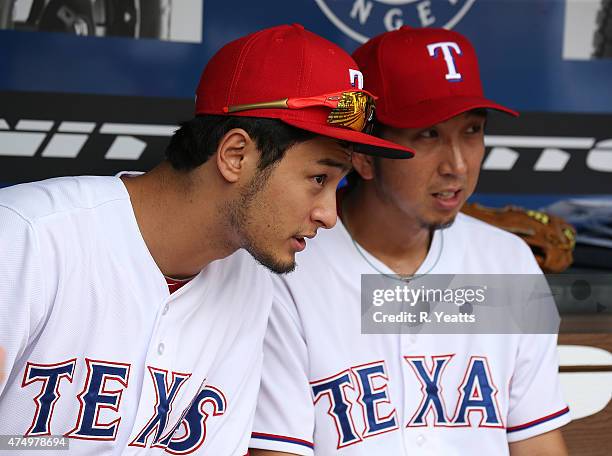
(353, 177)
(197, 139)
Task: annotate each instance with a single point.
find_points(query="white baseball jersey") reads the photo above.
(98, 350)
(328, 389)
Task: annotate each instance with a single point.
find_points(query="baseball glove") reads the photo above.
(551, 239)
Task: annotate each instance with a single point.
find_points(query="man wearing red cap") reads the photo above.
(328, 388)
(131, 313)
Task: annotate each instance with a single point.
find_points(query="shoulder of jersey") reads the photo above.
(36, 200)
(484, 237)
(247, 281)
(241, 264)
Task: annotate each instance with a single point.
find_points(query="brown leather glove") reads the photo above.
(551, 238)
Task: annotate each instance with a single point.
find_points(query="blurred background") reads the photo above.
(98, 86)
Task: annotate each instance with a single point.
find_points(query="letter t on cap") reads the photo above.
(446, 47)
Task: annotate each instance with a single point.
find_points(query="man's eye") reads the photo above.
(320, 179)
(475, 129)
(431, 133)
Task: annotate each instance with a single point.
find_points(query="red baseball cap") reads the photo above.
(422, 76)
(287, 62)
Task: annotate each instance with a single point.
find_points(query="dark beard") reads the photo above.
(268, 261)
(238, 218)
(438, 226)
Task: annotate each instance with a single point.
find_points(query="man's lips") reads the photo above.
(448, 198)
(299, 242)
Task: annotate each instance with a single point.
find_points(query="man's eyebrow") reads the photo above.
(482, 113)
(344, 166)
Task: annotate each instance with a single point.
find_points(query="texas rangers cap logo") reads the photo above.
(356, 78)
(363, 19)
(447, 50)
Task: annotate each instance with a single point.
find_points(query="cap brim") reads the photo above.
(431, 112)
(366, 144)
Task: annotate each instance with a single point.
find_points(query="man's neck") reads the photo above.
(396, 239)
(182, 232)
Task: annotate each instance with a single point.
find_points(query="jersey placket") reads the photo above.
(414, 439)
(160, 357)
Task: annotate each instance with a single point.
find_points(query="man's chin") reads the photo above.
(442, 223)
(443, 226)
(272, 263)
(280, 268)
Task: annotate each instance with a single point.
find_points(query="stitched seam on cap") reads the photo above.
(379, 67)
(238, 70)
(303, 69)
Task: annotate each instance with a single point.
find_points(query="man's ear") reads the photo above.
(364, 165)
(235, 154)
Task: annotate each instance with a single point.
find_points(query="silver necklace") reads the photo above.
(402, 278)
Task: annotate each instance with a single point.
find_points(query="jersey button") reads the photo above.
(420, 440)
(165, 309)
(160, 348)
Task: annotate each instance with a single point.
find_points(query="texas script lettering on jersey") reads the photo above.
(477, 392)
(104, 386)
